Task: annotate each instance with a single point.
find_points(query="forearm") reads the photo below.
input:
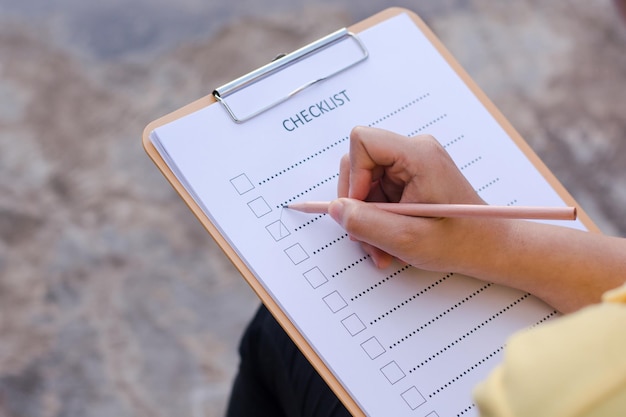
(566, 268)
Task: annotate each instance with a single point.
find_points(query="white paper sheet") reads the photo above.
(402, 341)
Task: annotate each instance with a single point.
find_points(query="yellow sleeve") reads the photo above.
(572, 366)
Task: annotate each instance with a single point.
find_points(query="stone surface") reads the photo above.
(113, 300)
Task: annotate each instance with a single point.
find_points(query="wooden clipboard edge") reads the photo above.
(232, 255)
(263, 295)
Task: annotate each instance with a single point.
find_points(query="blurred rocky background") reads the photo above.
(113, 300)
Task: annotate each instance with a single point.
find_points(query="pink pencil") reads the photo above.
(454, 210)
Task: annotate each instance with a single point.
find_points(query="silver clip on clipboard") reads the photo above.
(223, 92)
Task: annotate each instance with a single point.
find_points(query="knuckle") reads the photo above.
(429, 143)
(357, 133)
(405, 237)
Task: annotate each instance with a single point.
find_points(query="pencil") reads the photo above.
(454, 210)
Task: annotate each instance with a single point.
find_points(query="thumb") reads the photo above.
(379, 229)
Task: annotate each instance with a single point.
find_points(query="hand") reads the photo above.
(565, 267)
(384, 166)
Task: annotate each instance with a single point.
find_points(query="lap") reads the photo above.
(275, 379)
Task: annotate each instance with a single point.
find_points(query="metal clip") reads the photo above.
(280, 63)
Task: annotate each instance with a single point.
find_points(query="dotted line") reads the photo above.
(310, 222)
(393, 113)
(328, 245)
(308, 158)
(467, 371)
(481, 325)
(489, 184)
(470, 163)
(352, 265)
(512, 203)
(466, 410)
(429, 124)
(340, 141)
(308, 190)
(453, 141)
(441, 315)
(379, 283)
(546, 318)
(408, 300)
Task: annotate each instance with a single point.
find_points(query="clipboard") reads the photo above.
(220, 97)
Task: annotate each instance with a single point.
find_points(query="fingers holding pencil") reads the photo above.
(425, 235)
(402, 173)
(383, 235)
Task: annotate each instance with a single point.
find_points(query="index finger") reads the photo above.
(371, 152)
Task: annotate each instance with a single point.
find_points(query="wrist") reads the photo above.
(485, 249)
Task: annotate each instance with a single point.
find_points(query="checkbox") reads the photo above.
(259, 207)
(353, 324)
(392, 372)
(242, 184)
(315, 277)
(414, 399)
(296, 253)
(278, 230)
(373, 348)
(335, 301)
